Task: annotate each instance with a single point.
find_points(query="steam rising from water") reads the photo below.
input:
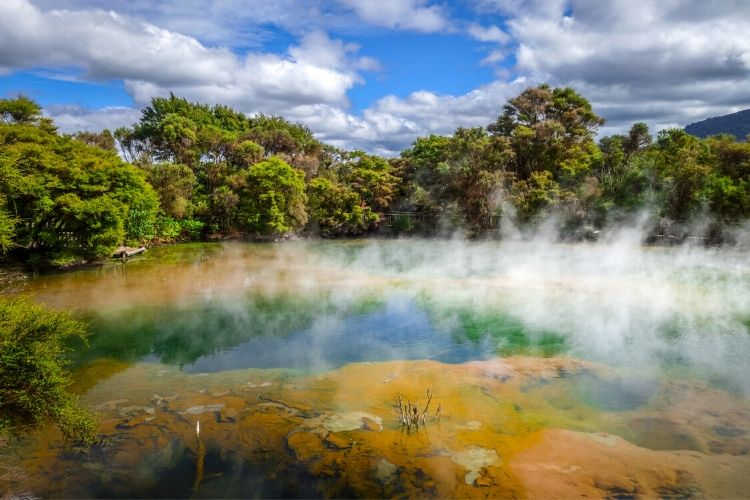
(653, 309)
(618, 301)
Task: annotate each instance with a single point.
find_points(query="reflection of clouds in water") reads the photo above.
(614, 301)
(399, 329)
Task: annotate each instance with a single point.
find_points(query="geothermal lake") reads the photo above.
(555, 371)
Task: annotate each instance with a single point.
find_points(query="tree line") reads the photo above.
(189, 171)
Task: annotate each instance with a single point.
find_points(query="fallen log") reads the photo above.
(125, 252)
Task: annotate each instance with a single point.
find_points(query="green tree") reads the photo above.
(638, 139)
(20, 110)
(337, 210)
(272, 198)
(70, 201)
(683, 165)
(174, 184)
(103, 139)
(7, 228)
(371, 177)
(34, 378)
(535, 194)
(550, 129)
(728, 190)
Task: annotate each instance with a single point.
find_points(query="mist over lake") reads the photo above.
(374, 249)
(313, 341)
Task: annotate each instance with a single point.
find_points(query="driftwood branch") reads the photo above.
(409, 414)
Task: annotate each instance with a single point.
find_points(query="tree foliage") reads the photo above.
(337, 209)
(33, 370)
(236, 173)
(272, 198)
(540, 157)
(65, 200)
(202, 171)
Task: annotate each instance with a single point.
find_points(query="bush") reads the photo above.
(338, 210)
(192, 228)
(272, 198)
(33, 370)
(167, 228)
(63, 200)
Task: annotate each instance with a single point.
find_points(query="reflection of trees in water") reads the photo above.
(182, 335)
(494, 329)
(310, 332)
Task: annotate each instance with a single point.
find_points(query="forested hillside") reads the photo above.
(189, 171)
(736, 124)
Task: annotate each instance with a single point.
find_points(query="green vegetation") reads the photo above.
(192, 172)
(736, 124)
(217, 171)
(540, 158)
(64, 201)
(33, 375)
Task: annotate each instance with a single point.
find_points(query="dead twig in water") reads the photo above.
(201, 456)
(409, 414)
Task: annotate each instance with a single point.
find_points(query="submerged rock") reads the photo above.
(111, 405)
(129, 411)
(252, 385)
(473, 459)
(350, 421)
(200, 409)
(369, 424)
(160, 399)
(385, 472)
(472, 425)
(338, 442)
(305, 445)
(604, 438)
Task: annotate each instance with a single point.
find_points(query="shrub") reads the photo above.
(34, 378)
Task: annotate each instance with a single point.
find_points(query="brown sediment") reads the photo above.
(90, 374)
(340, 430)
(181, 274)
(568, 464)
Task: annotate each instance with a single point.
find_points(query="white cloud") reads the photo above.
(488, 34)
(70, 119)
(401, 14)
(233, 23)
(393, 123)
(519, 8)
(495, 56)
(667, 62)
(154, 61)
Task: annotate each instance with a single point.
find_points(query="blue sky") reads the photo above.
(375, 75)
(447, 63)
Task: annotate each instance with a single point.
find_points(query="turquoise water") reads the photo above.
(264, 345)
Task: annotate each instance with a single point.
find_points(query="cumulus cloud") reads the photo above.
(488, 34)
(516, 8)
(666, 62)
(393, 123)
(233, 23)
(71, 119)
(154, 61)
(404, 14)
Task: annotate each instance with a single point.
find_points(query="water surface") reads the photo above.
(291, 356)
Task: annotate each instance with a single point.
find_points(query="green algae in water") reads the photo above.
(181, 335)
(307, 332)
(505, 335)
(614, 394)
(201, 326)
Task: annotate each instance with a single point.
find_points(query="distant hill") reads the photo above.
(737, 124)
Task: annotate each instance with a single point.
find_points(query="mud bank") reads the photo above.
(512, 427)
